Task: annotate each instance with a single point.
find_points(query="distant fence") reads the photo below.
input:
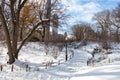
(12, 68)
(28, 67)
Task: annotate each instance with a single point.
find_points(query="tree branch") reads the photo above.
(5, 28)
(23, 42)
(22, 4)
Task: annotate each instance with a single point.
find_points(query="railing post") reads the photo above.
(27, 68)
(1, 67)
(12, 68)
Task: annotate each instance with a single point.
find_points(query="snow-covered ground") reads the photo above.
(33, 55)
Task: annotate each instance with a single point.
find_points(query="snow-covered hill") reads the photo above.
(33, 55)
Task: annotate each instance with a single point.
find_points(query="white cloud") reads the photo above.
(89, 10)
(81, 12)
(84, 10)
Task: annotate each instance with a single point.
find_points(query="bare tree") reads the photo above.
(103, 19)
(14, 8)
(83, 32)
(10, 11)
(50, 9)
(115, 18)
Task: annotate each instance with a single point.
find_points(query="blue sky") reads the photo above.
(84, 10)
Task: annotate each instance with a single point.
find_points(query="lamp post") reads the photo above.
(66, 56)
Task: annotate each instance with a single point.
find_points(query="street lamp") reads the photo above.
(66, 56)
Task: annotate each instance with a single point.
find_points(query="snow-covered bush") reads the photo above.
(60, 46)
(55, 52)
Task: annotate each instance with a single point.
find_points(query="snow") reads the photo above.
(109, 72)
(34, 55)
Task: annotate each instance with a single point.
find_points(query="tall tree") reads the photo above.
(81, 31)
(115, 19)
(48, 10)
(10, 11)
(15, 14)
(103, 19)
(14, 8)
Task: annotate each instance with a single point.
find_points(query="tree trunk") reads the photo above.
(16, 55)
(48, 14)
(117, 35)
(21, 33)
(7, 36)
(47, 35)
(14, 42)
(14, 15)
(11, 58)
(105, 39)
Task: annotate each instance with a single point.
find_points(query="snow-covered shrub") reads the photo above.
(98, 55)
(52, 50)
(55, 52)
(47, 49)
(60, 46)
